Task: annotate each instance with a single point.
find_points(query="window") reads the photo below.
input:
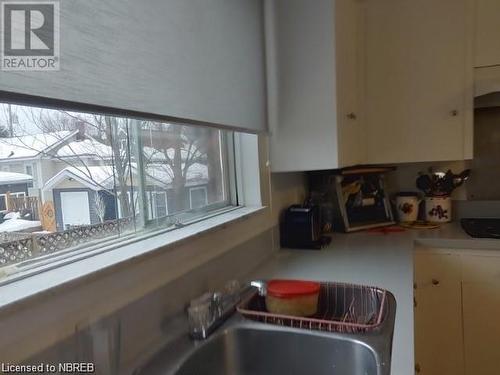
(29, 169)
(157, 204)
(198, 197)
(117, 176)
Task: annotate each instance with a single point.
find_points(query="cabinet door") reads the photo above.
(481, 312)
(314, 88)
(418, 79)
(481, 309)
(349, 36)
(301, 79)
(438, 319)
(487, 42)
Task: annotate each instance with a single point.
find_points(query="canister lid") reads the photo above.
(291, 288)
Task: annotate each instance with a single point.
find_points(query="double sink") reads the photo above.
(244, 347)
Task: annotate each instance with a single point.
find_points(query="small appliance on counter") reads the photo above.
(300, 228)
(482, 228)
(352, 198)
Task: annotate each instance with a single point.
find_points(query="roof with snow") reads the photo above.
(89, 147)
(9, 178)
(94, 177)
(30, 146)
(103, 177)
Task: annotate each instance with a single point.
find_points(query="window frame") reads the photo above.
(146, 227)
(233, 188)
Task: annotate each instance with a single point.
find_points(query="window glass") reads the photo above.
(175, 158)
(29, 169)
(101, 178)
(198, 197)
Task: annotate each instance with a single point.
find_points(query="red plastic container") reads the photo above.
(292, 297)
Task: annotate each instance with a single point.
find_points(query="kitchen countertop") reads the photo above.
(369, 258)
(383, 260)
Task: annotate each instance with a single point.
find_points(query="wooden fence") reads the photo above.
(24, 205)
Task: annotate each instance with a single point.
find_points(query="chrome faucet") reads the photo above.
(208, 312)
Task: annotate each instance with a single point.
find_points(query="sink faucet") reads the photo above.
(208, 312)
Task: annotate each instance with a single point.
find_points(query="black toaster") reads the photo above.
(300, 228)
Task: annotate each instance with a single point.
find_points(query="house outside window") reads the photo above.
(107, 178)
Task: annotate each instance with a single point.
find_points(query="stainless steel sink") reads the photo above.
(244, 347)
(250, 351)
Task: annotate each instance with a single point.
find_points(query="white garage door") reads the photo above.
(75, 208)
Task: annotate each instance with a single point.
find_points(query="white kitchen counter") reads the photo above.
(383, 260)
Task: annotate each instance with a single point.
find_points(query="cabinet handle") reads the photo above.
(414, 302)
(417, 368)
(435, 282)
(351, 116)
(454, 113)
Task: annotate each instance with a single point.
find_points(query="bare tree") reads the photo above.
(47, 121)
(4, 132)
(179, 149)
(9, 119)
(100, 206)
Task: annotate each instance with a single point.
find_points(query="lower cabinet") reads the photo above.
(438, 315)
(457, 313)
(481, 313)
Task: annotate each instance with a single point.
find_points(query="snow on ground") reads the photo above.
(18, 225)
(12, 215)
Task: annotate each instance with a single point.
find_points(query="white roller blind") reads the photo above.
(197, 60)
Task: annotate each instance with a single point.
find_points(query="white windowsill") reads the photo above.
(32, 286)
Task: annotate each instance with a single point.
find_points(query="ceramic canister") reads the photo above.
(407, 207)
(438, 209)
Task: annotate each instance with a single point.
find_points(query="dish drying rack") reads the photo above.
(343, 308)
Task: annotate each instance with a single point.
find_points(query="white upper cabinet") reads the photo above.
(419, 74)
(315, 83)
(369, 82)
(487, 41)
